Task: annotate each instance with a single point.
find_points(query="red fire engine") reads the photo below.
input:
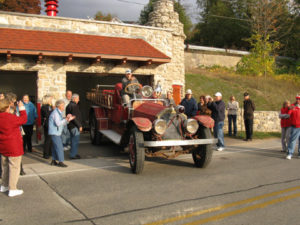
(148, 126)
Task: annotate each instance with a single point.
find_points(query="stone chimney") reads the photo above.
(164, 16)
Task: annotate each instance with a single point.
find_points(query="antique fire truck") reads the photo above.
(148, 126)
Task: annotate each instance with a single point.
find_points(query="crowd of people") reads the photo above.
(216, 107)
(61, 124)
(289, 115)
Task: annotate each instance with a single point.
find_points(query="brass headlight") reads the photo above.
(147, 91)
(191, 126)
(160, 126)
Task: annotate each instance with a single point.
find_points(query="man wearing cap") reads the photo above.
(128, 79)
(217, 108)
(190, 104)
(249, 108)
(295, 131)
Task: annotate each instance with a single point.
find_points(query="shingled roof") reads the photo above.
(34, 42)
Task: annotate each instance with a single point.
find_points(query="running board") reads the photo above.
(112, 135)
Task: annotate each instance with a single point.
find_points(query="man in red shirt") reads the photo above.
(295, 131)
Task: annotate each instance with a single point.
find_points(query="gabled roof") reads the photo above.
(33, 42)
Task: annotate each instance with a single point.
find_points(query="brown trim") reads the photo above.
(85, 55)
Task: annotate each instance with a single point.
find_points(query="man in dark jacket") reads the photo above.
(190, 104)
(75, 126)
(217, 108)
(249, 108)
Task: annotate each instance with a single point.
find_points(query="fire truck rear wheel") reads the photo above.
(136, 150)
(95, 135)
(202, 154)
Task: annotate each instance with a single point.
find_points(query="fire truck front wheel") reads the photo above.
(95, 135)
(202, 154)
(136, 150)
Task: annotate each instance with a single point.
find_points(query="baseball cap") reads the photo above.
(128, 71)
(188, 92)
(298, 97)
(218, 94)
(246, 94)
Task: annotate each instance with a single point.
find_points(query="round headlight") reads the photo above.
(160, 126)
(147, 91)
(191, 126)
(179, 109)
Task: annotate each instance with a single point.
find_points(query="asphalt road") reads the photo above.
(248, 183)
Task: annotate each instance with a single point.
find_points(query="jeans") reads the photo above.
(299, 144)
(218, 133)
(285, 135)
(75, 136)
(47, 143)
(57, 148)
(249, 128)
(28, 130)
(295, 134)
(232, 119)
(66, 136)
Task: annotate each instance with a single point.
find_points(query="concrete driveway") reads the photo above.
(240, 186)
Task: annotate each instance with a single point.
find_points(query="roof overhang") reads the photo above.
(59, 44)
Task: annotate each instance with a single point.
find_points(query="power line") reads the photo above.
(130, 2)
(226, 17)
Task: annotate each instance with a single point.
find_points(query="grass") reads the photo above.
(257, 135)
(267, 93)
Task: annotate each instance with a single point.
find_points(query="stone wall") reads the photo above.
(264, 121)
(52, 72)
(196, 59)
(196, 56)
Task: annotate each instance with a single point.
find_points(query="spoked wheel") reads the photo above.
(136, 150)
(202, 154)
(95, 135)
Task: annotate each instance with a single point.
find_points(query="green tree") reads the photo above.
(224, 23)
(178, 7)
(22, 6)
(261, 60)
(102, 17)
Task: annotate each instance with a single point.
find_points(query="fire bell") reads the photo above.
(51, 7)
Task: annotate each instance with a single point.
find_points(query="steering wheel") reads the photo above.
(131, 88)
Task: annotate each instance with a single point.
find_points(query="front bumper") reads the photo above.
(179, 142)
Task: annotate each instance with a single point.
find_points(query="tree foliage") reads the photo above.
(22, 6)
(102, 17)
(261, 60)
(224, 24)
(178, 7)
(228, 23)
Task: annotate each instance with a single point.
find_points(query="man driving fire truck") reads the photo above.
(126, 82)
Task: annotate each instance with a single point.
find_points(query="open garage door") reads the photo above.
(19, 83)
(80, 83)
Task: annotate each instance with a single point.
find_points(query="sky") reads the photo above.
(126, 10)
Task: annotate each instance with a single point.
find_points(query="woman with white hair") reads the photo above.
(56, 126)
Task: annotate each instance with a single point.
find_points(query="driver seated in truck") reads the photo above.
(128, 79)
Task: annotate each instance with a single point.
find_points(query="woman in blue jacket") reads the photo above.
(55, 129)
(28, 127)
